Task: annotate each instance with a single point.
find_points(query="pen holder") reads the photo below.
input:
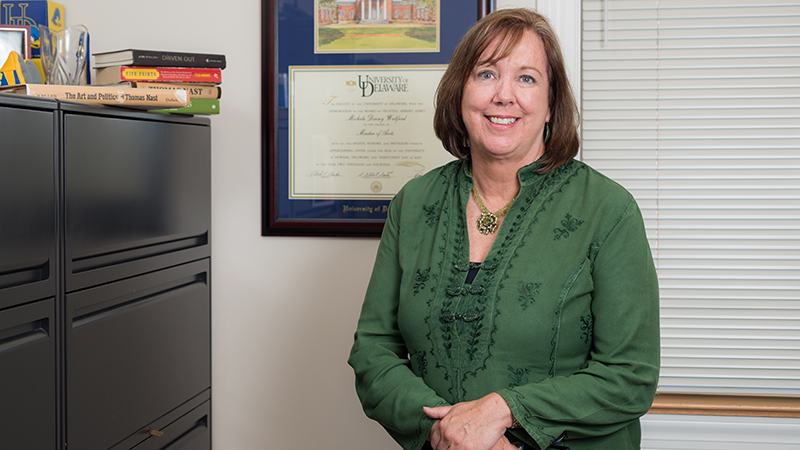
(64, 54)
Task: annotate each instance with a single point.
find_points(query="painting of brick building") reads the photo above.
(377, 26)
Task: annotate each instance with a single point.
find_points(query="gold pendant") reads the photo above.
(487, 223)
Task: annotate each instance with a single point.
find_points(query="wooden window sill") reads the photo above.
(726, 405)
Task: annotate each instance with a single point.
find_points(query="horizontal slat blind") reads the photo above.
(665, 432)
(694, 106)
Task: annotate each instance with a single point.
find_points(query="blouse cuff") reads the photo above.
(543, 437)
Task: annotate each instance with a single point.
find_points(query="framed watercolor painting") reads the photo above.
(377, 26)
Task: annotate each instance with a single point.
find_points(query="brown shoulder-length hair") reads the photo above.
(509, 25)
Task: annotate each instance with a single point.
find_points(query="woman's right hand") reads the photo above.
(502, 444)
(476, 425)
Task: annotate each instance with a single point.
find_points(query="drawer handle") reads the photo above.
(155, 433)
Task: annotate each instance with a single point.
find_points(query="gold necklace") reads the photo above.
(487, 222)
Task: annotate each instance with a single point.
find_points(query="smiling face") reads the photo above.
(505, 104)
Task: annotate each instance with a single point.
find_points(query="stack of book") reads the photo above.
(200, 75)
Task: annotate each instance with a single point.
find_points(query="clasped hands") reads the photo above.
(477, 425)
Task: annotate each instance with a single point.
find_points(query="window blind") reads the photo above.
(694, 106)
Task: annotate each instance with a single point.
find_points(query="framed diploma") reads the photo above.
(347, 107)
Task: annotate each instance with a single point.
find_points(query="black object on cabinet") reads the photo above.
(104, 278)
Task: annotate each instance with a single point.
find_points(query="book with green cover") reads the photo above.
(196, 106)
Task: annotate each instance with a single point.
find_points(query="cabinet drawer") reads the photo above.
(135, 349)
(27, 206)
(28, 376)
(137, 196)
(191, 431)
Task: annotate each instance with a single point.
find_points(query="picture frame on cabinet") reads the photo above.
(15, 38)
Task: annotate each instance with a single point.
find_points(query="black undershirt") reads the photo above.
(473, 272)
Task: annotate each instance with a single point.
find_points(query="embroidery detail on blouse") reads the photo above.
(586, 328)
(420, 279)
(455, 291)
(518, 376)
(528, 416)
(570, 225)
(447, 338)
(467, 266)
(450, 317)
(474, 334)
(434, 283)
(431, 212)
(422, 363)
(528, 293)
(489, 265)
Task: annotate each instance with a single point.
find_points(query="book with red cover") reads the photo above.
(118, 74)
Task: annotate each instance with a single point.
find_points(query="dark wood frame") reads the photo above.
(270, 224)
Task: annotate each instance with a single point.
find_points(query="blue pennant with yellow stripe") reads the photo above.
(11, 72)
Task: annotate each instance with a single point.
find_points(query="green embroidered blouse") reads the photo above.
(561, 320)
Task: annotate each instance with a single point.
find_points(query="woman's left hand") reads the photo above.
(475, 425)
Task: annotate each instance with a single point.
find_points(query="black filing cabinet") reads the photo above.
(28, 329)
(105, 220)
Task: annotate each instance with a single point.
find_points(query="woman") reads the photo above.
(514, 301)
